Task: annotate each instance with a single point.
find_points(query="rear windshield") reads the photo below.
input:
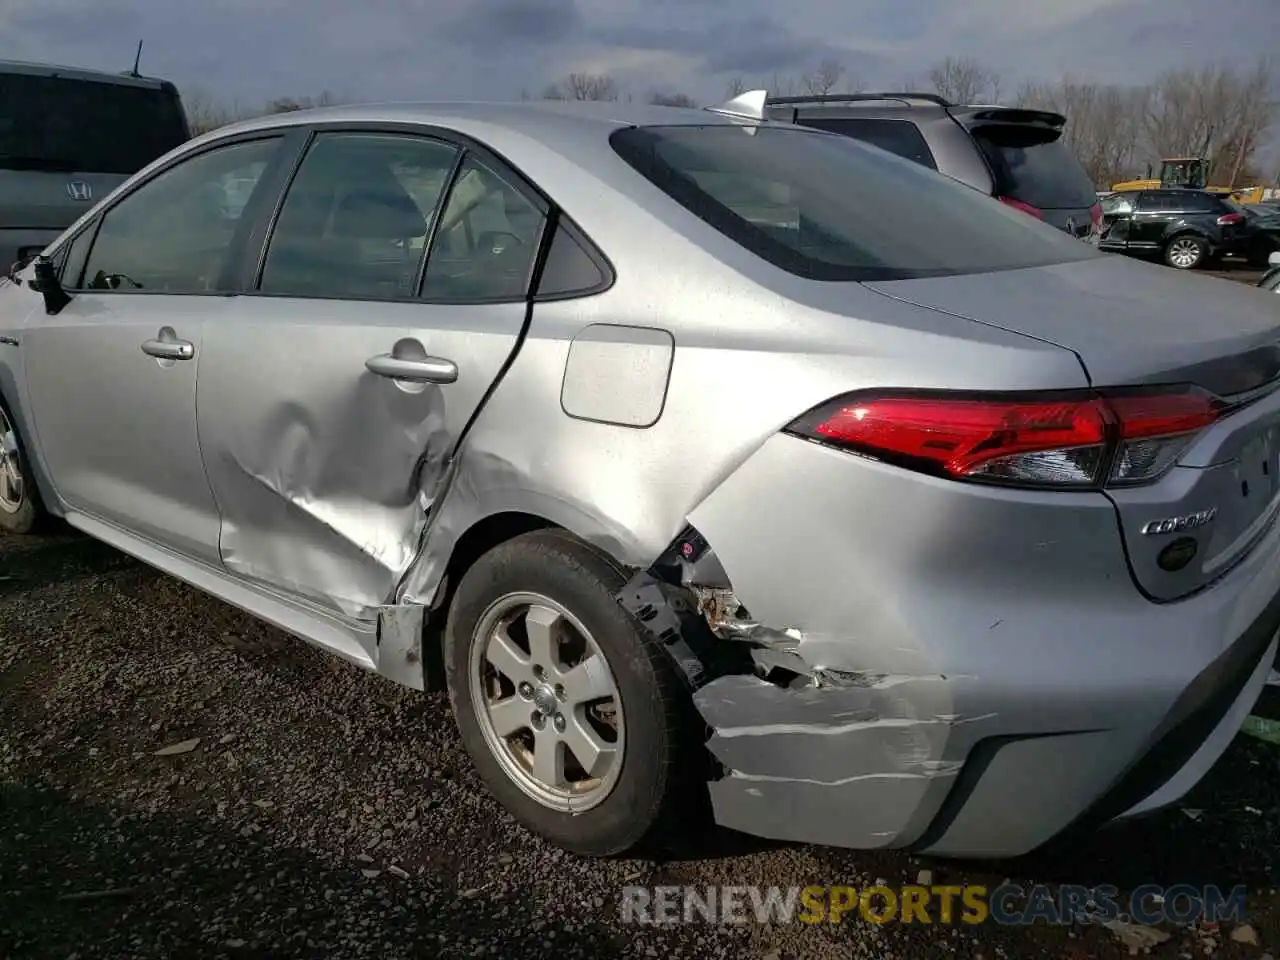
(48, 123)
(827, 207)
(1044, 174)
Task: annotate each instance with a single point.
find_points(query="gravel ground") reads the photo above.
(329, 813)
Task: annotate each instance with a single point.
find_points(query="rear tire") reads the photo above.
(20, 508)
(521, 615)
(1186, 252)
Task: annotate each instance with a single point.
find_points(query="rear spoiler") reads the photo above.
(972, 117)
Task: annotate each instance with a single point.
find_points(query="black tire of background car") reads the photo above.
(1201, 243)
(659, 788)
(30, 516)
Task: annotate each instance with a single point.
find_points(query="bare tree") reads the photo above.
(824, 79)
(552, 91)
(1216, 112)
(672, 100)
(289, 104)
(1103, 123)
(735, 88)
(205, 113)
(585, 86)
(964, 80)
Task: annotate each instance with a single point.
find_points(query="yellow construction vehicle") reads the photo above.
(1190, 173)
(1187, 172)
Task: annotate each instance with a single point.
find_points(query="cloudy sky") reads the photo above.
(253, 50)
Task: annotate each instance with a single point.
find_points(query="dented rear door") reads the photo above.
(330, 401)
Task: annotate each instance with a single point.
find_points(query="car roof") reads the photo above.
(78, 73)
(547, 121)
(562, 147)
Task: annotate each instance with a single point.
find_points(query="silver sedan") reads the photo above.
(700, 457)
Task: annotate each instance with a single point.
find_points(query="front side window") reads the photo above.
(356, 217)
(826, 207)
(1117, 204)
(174, 233)
(486, 242)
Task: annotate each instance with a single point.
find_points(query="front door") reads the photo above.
(112, 377)
(1151, 220)
(1117, 215)
(331, 398)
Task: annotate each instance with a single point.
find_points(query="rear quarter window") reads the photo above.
(826, 207)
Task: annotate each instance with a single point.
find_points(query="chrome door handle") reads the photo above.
(425, 370)
(169, 349)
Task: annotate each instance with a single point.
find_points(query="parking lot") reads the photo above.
(299, 808)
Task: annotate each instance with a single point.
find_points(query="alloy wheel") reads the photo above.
(12, 483)
(547, 702)
(1184, 253)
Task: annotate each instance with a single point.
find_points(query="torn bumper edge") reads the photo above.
(801, 752)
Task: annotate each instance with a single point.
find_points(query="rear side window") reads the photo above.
(828, 208)
(356, 217)
(1205, 203)
(1161, 203)
(85, 126)
(897, 136)
(1037, 171)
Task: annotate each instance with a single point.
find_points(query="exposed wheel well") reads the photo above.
(471, 546)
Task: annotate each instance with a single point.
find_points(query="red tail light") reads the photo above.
(1095, 214)
(1230, 218)
(1024, 207)
(1065, 440)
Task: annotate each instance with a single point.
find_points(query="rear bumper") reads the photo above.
(989, 677)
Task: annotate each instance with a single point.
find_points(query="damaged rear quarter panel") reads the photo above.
(747, 360)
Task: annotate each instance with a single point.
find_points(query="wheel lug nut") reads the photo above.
(559, 722)
(525, 690)
(559, 693)
(538, 671)
(538, 720)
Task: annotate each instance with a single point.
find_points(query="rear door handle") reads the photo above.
(424, 370)
(169, 349)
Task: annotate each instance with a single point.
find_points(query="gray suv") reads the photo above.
(1010, 153)
(68, 138)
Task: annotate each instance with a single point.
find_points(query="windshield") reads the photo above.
(827, 207)
(50, 123)
(1027, 167)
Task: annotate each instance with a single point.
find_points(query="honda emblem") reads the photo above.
(79, 190)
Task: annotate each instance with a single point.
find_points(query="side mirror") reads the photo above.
(46, 282)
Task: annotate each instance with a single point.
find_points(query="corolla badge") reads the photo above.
(1181, 524)
(79, 190)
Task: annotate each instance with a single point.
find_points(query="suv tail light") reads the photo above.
(1072, 440)
(1024, 207)
(1228, 219)
(1095, 214)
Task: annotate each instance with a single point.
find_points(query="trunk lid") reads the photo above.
(1129, 322)
(1139, 324)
